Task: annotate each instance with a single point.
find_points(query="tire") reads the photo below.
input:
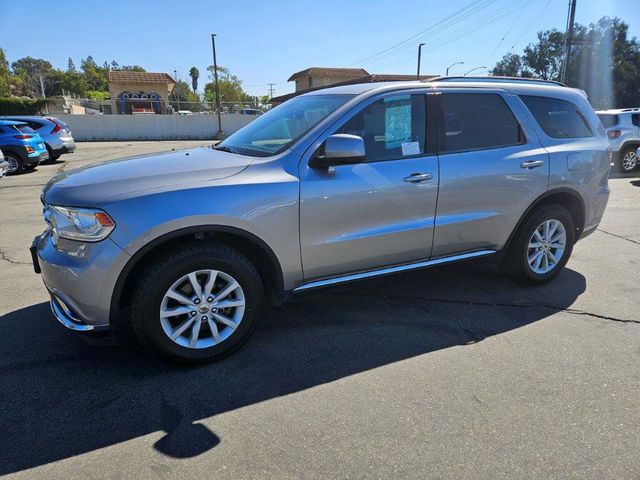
(628, 160)
(516, 262)
(16, 165)
(166, 273)
(52, 156)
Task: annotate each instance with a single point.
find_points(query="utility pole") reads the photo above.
(419, 55)
(568, 38)
(271, 90)
(215, 79)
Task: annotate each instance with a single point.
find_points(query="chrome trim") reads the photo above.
(390, 270)
(64, 315)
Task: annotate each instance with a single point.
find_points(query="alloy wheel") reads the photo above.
(202, 309)
(546, 246)
(13, 164)
(629, 161)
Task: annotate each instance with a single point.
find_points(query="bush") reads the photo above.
(97, 95)
(21, 106)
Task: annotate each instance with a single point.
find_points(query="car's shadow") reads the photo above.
(62, 396)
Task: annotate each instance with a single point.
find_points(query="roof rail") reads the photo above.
(496, 79)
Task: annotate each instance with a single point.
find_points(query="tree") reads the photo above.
(509, 66)
(229, 85)
(603, 62)
(182, 98)
(71, 67)
(5, 75)
(194, 74)
(94, 76)
(29, 70)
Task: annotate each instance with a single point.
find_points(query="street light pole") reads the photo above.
(175, 95)
(215, 79)
(419, 56)
(473, 70)
(452, 65)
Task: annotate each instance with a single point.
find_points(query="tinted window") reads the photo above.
(391, 128)
(558, 118)
(475, 121)
(26, 129)
(635, 119)
(608, 120)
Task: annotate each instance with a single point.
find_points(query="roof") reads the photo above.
(8, 123)
(367, 79)
(125, 76)
(24, 118)
(336, 72)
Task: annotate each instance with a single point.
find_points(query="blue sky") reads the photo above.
(265, 42)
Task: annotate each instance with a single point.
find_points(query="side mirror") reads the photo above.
(339, 149)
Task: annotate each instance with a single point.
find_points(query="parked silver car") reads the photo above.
(623, 130)
(55, 133)
(4, 165)
(337, 185)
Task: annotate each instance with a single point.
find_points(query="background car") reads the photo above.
(623, 130)
(22, 147)
(251, 111)
(4, 165)
(55, 133)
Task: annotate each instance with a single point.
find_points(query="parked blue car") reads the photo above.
(23, 148)
(55, 133)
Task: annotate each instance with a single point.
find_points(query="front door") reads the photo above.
(378, 213)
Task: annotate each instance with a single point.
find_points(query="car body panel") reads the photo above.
(358, 218)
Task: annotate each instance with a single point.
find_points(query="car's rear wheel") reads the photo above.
(15, 163)
(628, 159)
(541, 247)
(52, 156)
(197, 303)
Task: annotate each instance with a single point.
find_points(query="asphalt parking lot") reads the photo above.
(447, 373)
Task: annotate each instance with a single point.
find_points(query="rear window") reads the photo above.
(635, 119)
(558, 118)
(26, 129)
(608, 120)
(475, 121)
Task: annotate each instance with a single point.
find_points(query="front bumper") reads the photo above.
(80, 278)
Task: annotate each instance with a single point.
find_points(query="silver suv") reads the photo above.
(333, 186)
(623, 130)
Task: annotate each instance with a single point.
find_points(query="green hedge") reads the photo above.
(21, 106)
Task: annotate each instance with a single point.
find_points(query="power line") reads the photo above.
(529, 26)
(507, 32)
(479, 3)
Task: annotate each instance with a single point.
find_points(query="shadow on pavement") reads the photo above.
(62, 397)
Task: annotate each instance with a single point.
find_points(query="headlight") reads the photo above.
(83, 224)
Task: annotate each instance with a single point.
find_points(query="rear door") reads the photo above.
(492, 166)
(378, 213)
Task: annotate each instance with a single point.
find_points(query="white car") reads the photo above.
(623, 130)
(4, 165)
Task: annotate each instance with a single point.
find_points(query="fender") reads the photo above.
(539, 200)
(139, 255)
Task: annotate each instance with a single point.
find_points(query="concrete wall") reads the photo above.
(151, 127)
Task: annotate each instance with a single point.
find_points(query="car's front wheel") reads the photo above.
(197, 303)
(541, 246)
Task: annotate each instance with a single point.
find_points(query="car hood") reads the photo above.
(116, 180)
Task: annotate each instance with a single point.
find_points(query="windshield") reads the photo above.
(276, 130)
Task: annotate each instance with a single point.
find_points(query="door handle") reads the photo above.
(532, 164)
(418, 177)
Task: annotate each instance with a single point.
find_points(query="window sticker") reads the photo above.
(410, 148)
(397, 124)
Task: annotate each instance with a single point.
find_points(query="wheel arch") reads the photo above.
(248, 244)
(568, 198)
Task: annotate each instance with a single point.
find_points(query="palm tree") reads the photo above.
(194, 74)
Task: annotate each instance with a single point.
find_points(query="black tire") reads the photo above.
(14, 158)
(158, 276)
(626, 151)
(515, 262)
(52, 156)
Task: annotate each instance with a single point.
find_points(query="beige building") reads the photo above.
(316, 78)
(321, 77)
(139, 92)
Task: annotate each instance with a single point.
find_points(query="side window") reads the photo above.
(635, 119)
(392, 128)
(558, 118)
(474, 121)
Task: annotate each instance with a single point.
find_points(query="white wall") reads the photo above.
(151, 127)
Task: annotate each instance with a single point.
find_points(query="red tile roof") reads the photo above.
(124, 76)
(335, 72)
